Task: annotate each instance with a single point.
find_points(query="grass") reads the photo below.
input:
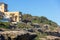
(40, 35)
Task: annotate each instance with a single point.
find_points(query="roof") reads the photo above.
(2, 3)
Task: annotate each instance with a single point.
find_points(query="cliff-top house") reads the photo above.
(11, 16)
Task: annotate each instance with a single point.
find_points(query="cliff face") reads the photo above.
(17, 35)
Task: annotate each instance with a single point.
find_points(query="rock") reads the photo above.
(40, 30)
(30, 30)
(2, 29)
(17, 35)
(36, 25)
(52, 38)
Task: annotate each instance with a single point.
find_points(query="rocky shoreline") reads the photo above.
(17, 35)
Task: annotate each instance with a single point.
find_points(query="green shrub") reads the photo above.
(4, 24)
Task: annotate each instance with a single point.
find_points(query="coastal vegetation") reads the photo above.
(32, 19)
(4, 24)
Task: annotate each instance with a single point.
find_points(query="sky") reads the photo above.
(47, 8)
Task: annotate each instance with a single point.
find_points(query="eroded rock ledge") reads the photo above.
(17, 35)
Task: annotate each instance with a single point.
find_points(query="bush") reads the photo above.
(4, 24)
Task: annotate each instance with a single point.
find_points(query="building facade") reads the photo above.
(11, 16)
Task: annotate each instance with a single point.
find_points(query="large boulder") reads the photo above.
(17, 35)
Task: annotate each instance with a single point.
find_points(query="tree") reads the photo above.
(27, 16)
(43, 19)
